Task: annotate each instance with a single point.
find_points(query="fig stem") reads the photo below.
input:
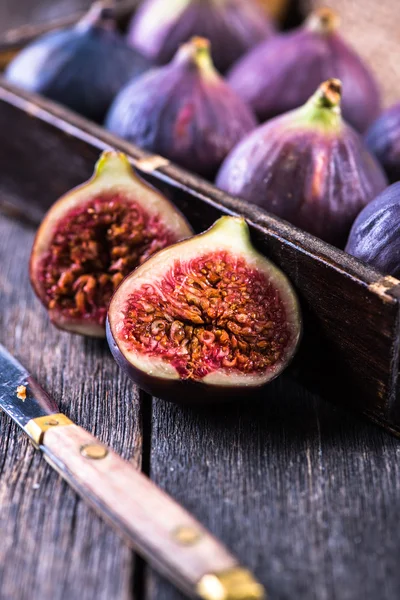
(100, 14)
(198, 52)
(113, 163)
(323, 20)
(323, 108)
(329, 94)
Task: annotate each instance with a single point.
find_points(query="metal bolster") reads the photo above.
(383, 286)
(36, 428)
(151, 163)
(234, 584)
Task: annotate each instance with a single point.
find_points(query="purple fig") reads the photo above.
(383, 139)
(82, 67)
(93, 237)
(279, 75)
(308, 167)
(205, 319)
(375, 235)
(160, 27)
(183, 111)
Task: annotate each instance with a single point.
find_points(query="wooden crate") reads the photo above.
(350, 348)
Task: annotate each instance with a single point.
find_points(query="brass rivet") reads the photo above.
(186, 535)
(51, 422)
(94, 451)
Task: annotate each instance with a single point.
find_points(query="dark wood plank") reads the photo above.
(52, 544)
(303, 493)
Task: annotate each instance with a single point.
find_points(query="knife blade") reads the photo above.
(156, 526)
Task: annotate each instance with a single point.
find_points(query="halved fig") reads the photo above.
(93, 237)
(205, 319)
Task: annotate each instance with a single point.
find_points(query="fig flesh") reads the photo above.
(205, 319)
(82, 67)
(308, 167)
(159, 28)
(375, 235)
(183, 111)
(93, 237)
(279, 75)
(383, 139)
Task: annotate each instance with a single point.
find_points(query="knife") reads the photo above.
(156, 526)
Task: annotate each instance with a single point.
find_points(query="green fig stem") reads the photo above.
(323, 21)
(234, 229)
(100, 14)
(323, 108)
(198, 52)
(328, 95)
(114, 164)
(235, 226)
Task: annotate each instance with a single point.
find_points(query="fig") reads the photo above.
(183, 111)
(375, 235)
(279, 75)
(308, 167)
(82, 67)
(206, 318)
(93, 237)
(383, 139)
(159, 28)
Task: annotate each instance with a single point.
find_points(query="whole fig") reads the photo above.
(233, 27)
(279, 75)
(375, 235)
(93, 237)
(205, 319)
(383, 139)
(308, 167)
(82, 67)
(183, 111)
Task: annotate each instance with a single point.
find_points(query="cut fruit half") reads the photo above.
(206, 318)
(93, 237)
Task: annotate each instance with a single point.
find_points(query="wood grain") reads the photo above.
(303, 493)
(149, 520)
(52, 545)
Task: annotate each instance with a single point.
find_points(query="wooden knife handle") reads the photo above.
(152, 522)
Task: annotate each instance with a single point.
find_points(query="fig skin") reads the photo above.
(183, 111)
(383, 139)
(159, 28)
(308, 167)
(279, 75)
(162, 376)
(113, 182)
(375, 235)
(82, 67)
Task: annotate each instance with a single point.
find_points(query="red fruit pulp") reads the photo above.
(208, 313)
(93, 247)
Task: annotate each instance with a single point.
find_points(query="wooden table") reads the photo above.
(307, 496)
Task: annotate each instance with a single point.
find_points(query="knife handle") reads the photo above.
(160, 530)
